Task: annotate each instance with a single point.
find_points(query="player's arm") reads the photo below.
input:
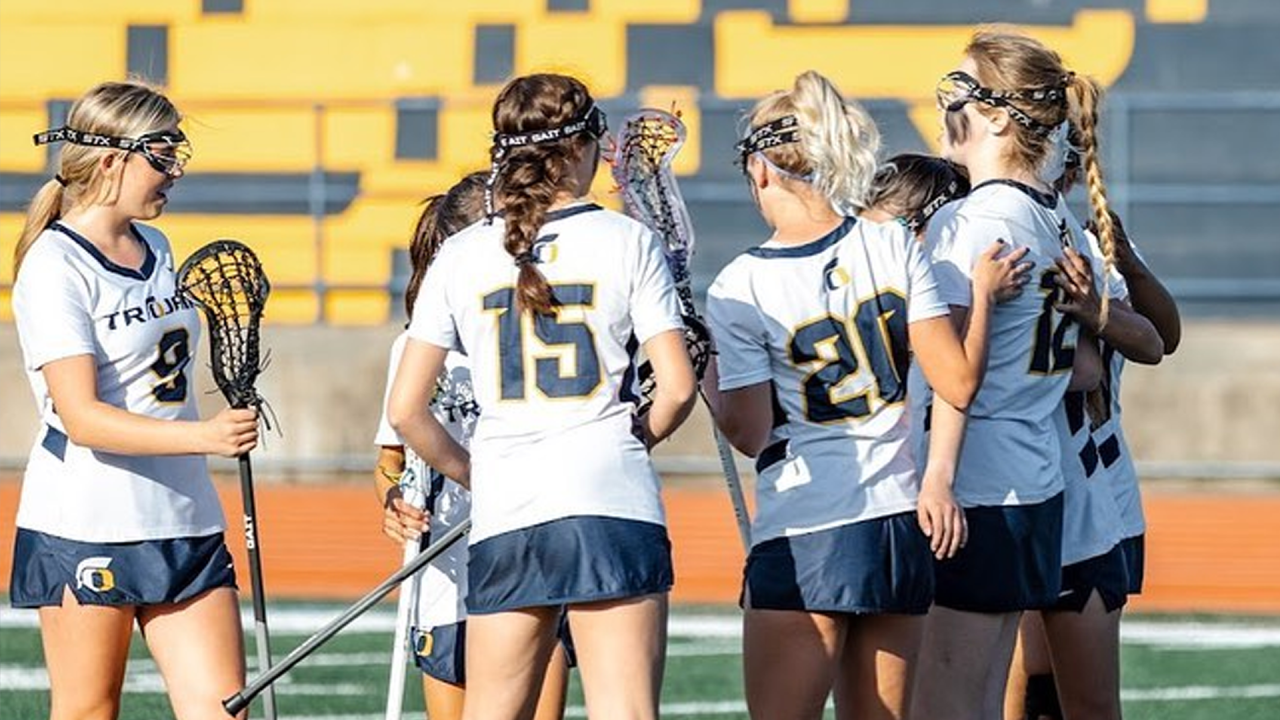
(411, 394)
(1148, 296)
(92, 423)
(674, 386)
(744, 415)
(1086, 368)
(1127, 331)
(941, 518)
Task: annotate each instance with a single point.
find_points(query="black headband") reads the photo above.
(593, 122)
(785, 129)
(88, 139)
(949, 193)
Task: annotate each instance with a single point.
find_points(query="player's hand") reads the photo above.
(999, 274)
(941, 518)
(1079, 295)
(402, 521)
(232, 432)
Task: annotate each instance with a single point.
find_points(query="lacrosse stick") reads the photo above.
(413, 491)
(645, 147)
(237, 702)
(225, 279)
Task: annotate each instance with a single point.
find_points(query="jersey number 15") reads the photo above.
(551, 333)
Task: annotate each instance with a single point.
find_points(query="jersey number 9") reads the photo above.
(170, 366)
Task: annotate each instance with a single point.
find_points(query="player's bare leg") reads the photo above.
(621, 646)
(198, 647)
(85, 649)
(444, 700)
(1085, 647)
(507, 655)
(1030, 660)
(963, 665)
(877, 666)
(802, 647)
(554, 687)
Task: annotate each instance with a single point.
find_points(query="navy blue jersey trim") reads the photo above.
(1048, 200)
(568, 212)
(772, 455)
(55, 441)
(808, 249)
(143, 273)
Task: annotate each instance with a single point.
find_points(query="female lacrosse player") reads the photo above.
(439, 629)
(118, 521)
(910, 188)
(546, 297)
(812, 330)
(1001, 109)
(1103, 511)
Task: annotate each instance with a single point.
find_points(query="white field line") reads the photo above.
(1161, 634)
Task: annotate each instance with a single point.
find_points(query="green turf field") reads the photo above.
(1203, 668)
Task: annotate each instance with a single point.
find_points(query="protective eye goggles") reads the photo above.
(167, 151)
(782, 131)
(957, 88)
(594, 123)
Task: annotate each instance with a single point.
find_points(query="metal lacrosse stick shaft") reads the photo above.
(647, 144)
(262, 638)
(240, 700)
(226, 280)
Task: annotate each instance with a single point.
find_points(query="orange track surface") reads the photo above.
(1206, 553)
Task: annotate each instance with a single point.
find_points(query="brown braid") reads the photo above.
(530, 177)
(1084, 94)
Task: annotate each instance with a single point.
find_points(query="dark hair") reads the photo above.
(442, 215)
(530, 176)
(913, 187)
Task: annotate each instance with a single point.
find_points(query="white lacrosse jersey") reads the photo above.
(554, 439)
(70, 300)
(443, 589)
(1011, 453)
(826, 323)
(1091, 523)
(1113, 450)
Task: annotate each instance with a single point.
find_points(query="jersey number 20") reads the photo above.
(551, 333)
(880, 328)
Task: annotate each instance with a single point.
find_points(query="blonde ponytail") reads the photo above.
(840, 140)
(835, 151)
(45, 207)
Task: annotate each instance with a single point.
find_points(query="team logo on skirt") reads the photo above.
(93, 573)
(423, 644)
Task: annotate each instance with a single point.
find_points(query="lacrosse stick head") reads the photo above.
(697, 340)
(644, 149)
(226, 281)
